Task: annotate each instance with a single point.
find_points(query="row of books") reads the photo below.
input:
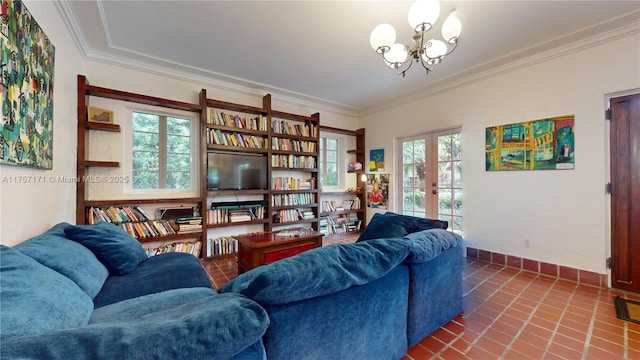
(293, 161)
(148, 229)
(218, 117)
(332, 205)
(183, 247)
(117, 214)
(288, 128)
(290, 215)
(215, 136)
(222, 246)
(293, 199)
(221, 216)
(290, 183)
(293, 145)
(340, 224)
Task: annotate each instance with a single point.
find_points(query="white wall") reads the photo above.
(561, 212)
(27, 209)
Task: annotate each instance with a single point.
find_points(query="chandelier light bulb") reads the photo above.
(423, 12)
(382, 35)
(435, 48)
(397, 54)
(451, 28)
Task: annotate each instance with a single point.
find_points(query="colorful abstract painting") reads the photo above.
(27, 64)
(532, 145)
(376, 160)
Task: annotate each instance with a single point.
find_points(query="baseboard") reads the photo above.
(561, 272)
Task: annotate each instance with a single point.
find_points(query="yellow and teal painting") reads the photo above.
(26, 136)
(531, 145)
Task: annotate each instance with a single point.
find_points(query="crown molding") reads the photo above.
(69, 19)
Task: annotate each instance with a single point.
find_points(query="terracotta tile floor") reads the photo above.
(513, 314)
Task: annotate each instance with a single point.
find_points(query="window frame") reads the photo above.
(194, 158)
(340, 166)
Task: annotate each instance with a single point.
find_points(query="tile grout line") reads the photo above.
(587, 340)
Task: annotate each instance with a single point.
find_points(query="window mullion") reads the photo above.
(162, 155)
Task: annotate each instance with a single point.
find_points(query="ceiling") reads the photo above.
(319, 51)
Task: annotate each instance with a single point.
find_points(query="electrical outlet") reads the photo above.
(526, 243)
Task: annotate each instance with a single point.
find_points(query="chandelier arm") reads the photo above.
(397, 70)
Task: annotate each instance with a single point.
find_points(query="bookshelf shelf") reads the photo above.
(179, 236)
(103, 126)
(237, 223)
(94, 163)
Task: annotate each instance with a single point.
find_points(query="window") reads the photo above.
(431, 177)
(329, 162)
(162, 149)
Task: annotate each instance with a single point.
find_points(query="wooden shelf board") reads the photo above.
(118, 202)
(92, 163)
(92, 125)
(341, 212)
(191, 235)
(251, 222)
(236, 148)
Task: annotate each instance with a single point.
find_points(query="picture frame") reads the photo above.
(99, 115)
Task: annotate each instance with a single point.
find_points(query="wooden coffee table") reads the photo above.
(266, 247)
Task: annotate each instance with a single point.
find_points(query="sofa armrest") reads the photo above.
(214, 327)
(427, 244)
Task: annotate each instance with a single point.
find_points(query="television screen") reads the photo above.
(235, 171)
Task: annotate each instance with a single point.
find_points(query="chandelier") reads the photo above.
(422, 15)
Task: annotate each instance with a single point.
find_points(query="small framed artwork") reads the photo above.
(99, 115)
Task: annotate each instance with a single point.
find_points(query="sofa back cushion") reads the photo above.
(35, 299)
(320, 271)
(390, 225)
(113, 246)
(53, 250)
(427, 244)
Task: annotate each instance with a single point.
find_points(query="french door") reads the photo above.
(430, 179)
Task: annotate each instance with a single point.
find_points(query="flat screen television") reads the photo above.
(235, 171)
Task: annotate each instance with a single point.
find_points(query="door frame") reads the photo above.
(607, 149)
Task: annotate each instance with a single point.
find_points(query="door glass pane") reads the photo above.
(407, 175)
(407, 195)
(457, 202)
(419, 151)
(444, 174)
(444, 201)
(457, 174)
(444, 148)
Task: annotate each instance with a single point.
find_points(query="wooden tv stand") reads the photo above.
(266, 247)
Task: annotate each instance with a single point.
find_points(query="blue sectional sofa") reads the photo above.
(89, 292)
(369, 300)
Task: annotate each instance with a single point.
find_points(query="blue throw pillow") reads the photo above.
(113, 246)
(53, 250)
(36, 299)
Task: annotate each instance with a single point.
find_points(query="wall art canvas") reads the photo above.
(378, 190)
(27, 64)
(532, 145)
(376, 160)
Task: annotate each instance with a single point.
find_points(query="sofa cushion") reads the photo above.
(390, 225)
(427, 244)
(157, 273)
(132, 308)
(35, 299)
(53, 250)
(215, 327)
(320, 271)
(113, 246)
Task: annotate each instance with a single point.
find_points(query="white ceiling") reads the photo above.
(319, 50)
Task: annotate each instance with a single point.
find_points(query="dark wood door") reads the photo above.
(625, 192)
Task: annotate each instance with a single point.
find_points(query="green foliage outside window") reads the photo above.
(161, 150)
